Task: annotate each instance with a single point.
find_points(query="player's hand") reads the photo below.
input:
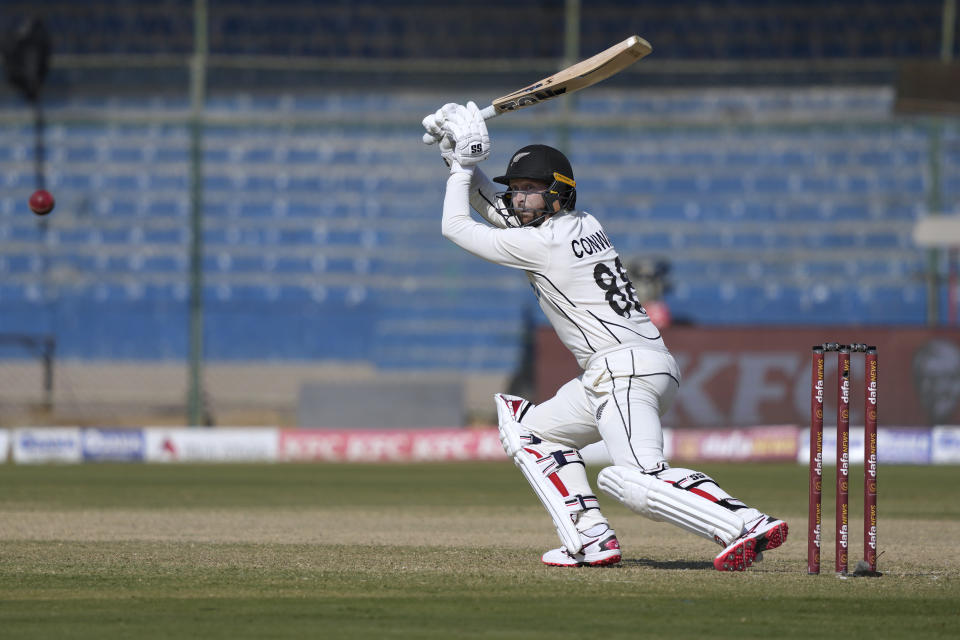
(433, 123)
(467, 131)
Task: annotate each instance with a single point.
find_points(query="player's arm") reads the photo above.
(519, 248)
(483, 198)
(483, 191)
(467, 143)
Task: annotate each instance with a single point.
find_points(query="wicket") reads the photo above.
(815, 514)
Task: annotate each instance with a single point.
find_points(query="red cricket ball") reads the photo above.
(41, 202)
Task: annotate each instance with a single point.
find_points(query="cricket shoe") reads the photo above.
(600, 548)
(759, 535)
(736, 556)
(767, 532)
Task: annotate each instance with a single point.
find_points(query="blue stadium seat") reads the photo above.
(22, 263)
(22, 180)
(290, 265)
(257, 183)
(169, 182)
(125, 155)
(74, 181)
(802, 211)
(80, 154)
(726, 185)
(851, 210)
(121, 236)
(121, 206)
(296, 237)
(261, 155)
(216, 208)
(176, 236)
(882, 240)
(164, 208)
(876, 158)
(310, 157)
(12, 293)
(757, 210)
(252, 209)
(663, 209)
(179, 155)
(163, 264)
(75, 236)
(772, 183)
(121, 182)
(680, 185)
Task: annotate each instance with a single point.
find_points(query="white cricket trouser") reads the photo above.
(619, 399)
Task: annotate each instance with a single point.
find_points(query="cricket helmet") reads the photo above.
(546, 164)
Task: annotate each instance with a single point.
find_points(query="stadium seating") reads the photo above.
(734, 29)
(321, 238)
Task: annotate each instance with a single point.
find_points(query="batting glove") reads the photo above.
(433, 123)
(468, 131)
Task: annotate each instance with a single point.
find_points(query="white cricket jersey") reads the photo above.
(579, 279)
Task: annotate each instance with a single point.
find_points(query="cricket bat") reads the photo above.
(579, 76)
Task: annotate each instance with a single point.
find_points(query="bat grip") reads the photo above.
(488, 112)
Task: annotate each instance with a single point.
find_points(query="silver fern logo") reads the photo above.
(600, 409)
(517, 157)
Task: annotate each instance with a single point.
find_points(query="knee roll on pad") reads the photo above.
(510, 410)
(659, 500)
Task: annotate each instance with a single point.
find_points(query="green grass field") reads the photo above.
(439, 551)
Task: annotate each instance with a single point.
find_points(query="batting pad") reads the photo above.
(513, 437)
(661, 501)
(551, 499)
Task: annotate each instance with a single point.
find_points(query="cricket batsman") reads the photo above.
(629, 377)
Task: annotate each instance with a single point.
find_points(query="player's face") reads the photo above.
(527, 198)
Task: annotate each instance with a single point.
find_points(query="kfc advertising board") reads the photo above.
(759, 376)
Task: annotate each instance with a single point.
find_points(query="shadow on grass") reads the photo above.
(649, 563)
